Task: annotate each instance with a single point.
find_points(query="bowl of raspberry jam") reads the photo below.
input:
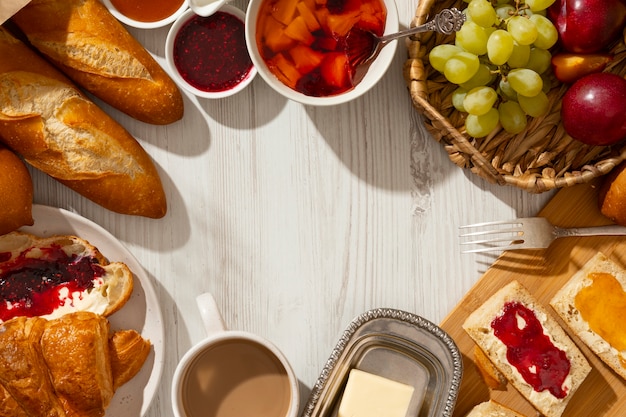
(207, 55)
(299, 47)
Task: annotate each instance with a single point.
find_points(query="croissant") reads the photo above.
(63, 367)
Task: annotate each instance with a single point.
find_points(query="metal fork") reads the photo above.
(526, 233)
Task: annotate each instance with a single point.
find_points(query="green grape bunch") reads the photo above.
(500, 62)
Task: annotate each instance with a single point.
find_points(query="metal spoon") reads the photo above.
(363, 46)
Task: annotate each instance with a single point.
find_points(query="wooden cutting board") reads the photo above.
(543, 272)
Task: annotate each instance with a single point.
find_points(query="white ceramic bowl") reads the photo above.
(145, 25)
(174, 71)
(374, 74)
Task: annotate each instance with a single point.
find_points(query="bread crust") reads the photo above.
(108, 296)
(16, 193)
(91, 47)
(47, 120)
(564, 303)
(492, 409)
(478, 327)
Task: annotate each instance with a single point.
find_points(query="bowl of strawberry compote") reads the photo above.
(302, 48)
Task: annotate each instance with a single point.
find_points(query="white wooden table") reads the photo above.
(298, 219)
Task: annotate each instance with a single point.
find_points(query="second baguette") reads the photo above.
(93, 49)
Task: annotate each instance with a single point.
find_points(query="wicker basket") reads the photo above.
(541, 158)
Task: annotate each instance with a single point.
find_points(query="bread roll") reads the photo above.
(93, 283)
(492, 409)
(612, 195)
(16, 193)
(512, 326)
(57, 129)
(592, 304)
(91, 47)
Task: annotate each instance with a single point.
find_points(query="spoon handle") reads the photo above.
(447, 21)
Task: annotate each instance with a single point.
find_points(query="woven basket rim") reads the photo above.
(470, 153)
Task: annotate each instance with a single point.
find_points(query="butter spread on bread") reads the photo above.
(60, 367)
(16, 193)
(53, 276)
(593, 304)
(529, 348)
(48, 121)
(93, 49)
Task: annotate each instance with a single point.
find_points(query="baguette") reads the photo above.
(612, 194)
(592, 304)
(94, 50)
(84, 279)
(492, 409)
(16, 193)
(550, 367)
(47, 120)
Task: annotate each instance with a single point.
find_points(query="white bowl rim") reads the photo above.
(381, 65)
(169, 56)
(145, 25)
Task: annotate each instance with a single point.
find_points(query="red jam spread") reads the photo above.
(304, 44)
(210, 53)
(542, 365)
(603, 306)
(31, 286)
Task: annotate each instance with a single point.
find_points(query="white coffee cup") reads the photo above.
(233, 374)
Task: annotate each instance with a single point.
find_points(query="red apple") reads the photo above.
(587, 26)
(593, 109)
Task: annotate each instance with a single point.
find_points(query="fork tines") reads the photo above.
(492, 236)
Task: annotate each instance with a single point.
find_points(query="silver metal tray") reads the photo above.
(399, 346)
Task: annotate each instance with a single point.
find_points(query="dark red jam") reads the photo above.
(210, 53)
(542, 365)
(30, 286)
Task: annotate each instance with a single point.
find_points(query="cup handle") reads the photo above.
(210, 314)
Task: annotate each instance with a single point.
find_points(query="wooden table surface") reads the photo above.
(297, 219)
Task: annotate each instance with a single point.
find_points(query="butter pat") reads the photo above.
(368, 395)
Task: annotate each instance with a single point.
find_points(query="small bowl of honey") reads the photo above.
(207, 55)
(146, 14)
(300, 47)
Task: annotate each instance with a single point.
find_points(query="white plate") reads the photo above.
(141, 313)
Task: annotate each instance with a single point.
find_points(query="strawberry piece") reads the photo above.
(335, 70)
